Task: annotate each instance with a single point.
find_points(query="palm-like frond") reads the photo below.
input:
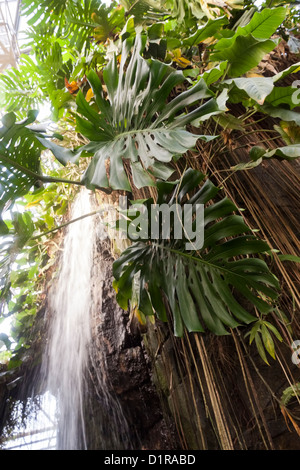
(144, 10)
(21, 147)
(79, 25)
(21, 89)
(19, 162)
(19, 159)
(202, 288)
(28, 86)
(72, 19)
(45, 11)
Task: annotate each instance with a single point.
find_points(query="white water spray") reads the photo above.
(70, 331)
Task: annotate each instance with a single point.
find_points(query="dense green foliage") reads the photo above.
(132, 81)
(197, 280)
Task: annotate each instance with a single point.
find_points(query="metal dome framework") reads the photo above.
(9, 26)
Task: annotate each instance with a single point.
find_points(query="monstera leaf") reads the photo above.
(136, 123)
(203, 288)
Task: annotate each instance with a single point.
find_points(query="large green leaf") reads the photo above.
(207, 30)
(244, 53)
(287, 95)
(136, 122)
(43, 9)
(262, 25)
(245, 49)
(292, 69)
(257, 88)
(204, 288)
(288, 152)
(281, 113)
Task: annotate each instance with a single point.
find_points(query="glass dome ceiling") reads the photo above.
(9, 27)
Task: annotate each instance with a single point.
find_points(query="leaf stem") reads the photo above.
(37, 176)
(65, 224)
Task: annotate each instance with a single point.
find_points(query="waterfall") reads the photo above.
(70, 330)
(70, 373)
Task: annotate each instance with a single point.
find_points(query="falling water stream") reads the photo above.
(70, 331)
(76, 399)
(71, 351)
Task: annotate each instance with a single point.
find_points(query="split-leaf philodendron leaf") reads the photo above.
(136, 122)
(202, 288)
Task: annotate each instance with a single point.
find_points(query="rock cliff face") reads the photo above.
(121, 374)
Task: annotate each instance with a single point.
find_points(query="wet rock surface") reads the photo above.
(121, 359)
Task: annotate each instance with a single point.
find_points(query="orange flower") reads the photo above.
(72, 87)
